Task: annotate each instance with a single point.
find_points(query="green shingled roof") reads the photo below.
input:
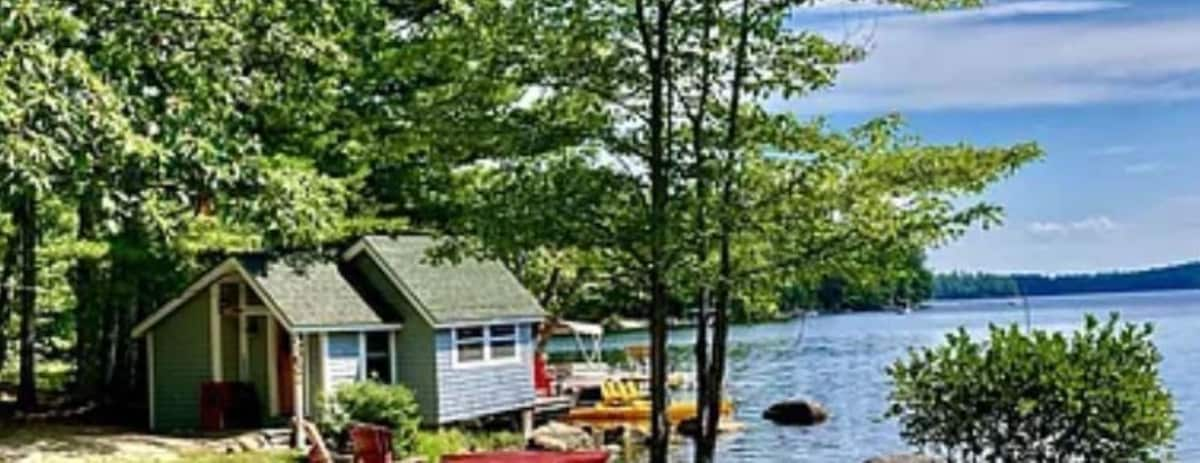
(312, 293)
(468, 291)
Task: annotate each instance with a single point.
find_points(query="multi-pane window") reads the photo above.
(477, 344)
(469, 344)
(503, 342)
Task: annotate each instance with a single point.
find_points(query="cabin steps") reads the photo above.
(278, 438)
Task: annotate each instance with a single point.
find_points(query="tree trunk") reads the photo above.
(701, 350)
(7, 267)
(659, 427)
(87, 307)
(711, 411)
(28, 228)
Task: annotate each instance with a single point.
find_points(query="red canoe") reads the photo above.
(529, 457)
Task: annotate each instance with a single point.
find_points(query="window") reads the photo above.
(469, 344)
(342, 358)
(479, 344)
(503, 342)
(379, 349)
(227, 297)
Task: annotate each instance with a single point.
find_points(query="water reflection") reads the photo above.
(839, 360)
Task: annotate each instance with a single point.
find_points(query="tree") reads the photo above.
(1094, 395)
(665, 82)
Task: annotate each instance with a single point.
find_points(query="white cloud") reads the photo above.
(975, 59)
(1091, 225)
(1143, 168)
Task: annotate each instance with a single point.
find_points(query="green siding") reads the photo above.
(313, 382)
(416, 365)
(181, 364)
(256, 350)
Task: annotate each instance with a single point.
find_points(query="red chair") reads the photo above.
(372, 444)
(542, 384)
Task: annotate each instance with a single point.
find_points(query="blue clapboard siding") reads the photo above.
(473, 391)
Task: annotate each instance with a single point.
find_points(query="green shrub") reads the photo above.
(392, 406)
(1093, 395)
(434, 444)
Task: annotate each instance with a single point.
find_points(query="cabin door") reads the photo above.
(255, 363)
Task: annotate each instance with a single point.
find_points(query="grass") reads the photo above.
(434, 444)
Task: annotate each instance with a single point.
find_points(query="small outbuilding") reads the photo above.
(459, 335)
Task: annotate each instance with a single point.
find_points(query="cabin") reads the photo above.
(289, 330)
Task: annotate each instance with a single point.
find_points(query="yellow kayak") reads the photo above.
(639, 411)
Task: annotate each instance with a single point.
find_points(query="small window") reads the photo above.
(469, 344)
(480, 344)
(503, 342)
(342, 358)
(227, 296)
(379, 365)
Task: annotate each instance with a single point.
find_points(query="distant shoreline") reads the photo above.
(1064, 295)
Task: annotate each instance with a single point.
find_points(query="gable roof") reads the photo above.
(314, 294)
(447, 293)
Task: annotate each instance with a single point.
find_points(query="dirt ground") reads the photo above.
(44, 443)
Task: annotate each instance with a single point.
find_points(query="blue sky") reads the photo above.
(1110, 89)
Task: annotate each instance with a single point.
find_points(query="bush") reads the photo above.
(392, 406)
(1094, 395)
(435, 444)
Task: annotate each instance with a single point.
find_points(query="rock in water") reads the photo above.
(689, 427)
(797, 413)
(905, 458)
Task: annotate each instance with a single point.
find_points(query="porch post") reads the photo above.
(298, 387)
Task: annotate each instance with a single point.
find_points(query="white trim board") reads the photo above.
(272, 365)
(150, 378)
(230, 265)
(348, 328)
(214, 332)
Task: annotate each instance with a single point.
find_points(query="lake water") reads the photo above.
(839, 360)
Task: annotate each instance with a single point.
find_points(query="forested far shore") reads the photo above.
(965, 285)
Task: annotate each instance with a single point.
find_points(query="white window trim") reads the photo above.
(487, 361)
(361, 372)
(362, 356)
(392, 357)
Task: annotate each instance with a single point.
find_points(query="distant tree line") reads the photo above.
(961, 285)
(904, 282)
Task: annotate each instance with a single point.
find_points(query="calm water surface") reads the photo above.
(839, 360)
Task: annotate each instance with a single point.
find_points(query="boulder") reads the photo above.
(796, 413)
(560, 437)
(905, 458)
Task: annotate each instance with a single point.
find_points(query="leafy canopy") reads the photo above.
(1092, 395)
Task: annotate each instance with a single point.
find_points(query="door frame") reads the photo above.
(270, 352)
